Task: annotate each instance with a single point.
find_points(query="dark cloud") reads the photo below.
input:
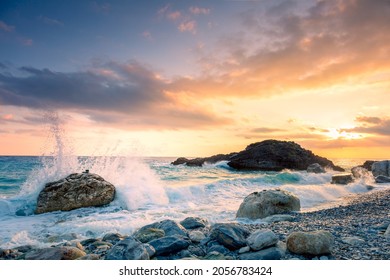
(372, 125)
(128, 94)
(266, 130)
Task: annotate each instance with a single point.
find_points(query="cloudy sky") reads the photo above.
(194, 78)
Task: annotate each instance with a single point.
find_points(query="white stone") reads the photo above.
(196, 236)
(261, 239)
(243, 250)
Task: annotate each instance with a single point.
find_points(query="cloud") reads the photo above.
(266, 130)
(372, 125)
(174, 15)
(199, 11)
(50, 21)
(147, 35)
(126, 95)
(369, 120)
(188, 26)
(5, 27)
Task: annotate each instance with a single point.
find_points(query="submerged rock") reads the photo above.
(259, 205)
(315, 168)
(311, 243)
(342, 179)
(75, 191)
(274, 155)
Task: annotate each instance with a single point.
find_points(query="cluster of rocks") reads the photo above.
(268, 155)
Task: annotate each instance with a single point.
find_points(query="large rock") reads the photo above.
(128, 249)
(382, 179)
(232, 236)
(315, 168)
(274, 155)
(75, 191)
(310, 243)
(169, 244)
(194, 222)
(359, 172)
(342, 179)
(381, 168)
(55, 253)
(148, 234)
(261, 239)
(259, 205)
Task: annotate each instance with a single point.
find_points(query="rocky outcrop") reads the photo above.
(268, 155)
(75, 191)
(273, 155)
(315, 168)
(310, 243)
(259, 205)
(342, 179)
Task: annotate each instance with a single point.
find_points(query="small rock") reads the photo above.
(272, 253)
(278, 218)
(232, 236)
(150, 249)
(196, 236)
(146, 235)
(169, 244)
(342, 179)
(353, 240)
(197, 251)
(311, 243)
(90, 257)
(113, 237)
(216, 256)
(194, 222)
(243, 250)
(387, 232)
(55, 253)
(128, 249)
(169, 227)
(261, 239)
(315, 168)
(218, 248)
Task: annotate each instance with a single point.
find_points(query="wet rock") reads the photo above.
(381, 168)
(113, 237)
(196, 250)
(243, 250)
(75, 191)
(148, 234)
(274, 155)
(342, 179)
(169, 227)
(169, 244)
(194, 222)
(382, 179)
(196, 236)
(259, 205)
(62, 237)
(272, 253)
(311, 243)
(261, 239)
(232, 236)
(368, 164)
(128, 249)
(55, 253)
(180, 160)
(315, 168)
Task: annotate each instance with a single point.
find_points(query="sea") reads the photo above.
(148, 189)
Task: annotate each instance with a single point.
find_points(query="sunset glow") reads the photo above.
(196, 78)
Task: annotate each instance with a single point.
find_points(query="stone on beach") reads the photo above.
(194, 222)
(315, 168)
(128, 249)
(342, 179)
(232, 236)
(259, 205)
(148, 234)
(169, 244)
(272, 253)
(261, 239)
(381, 168)
(75, 191)
(310, 243)
(169, 227)
(55, 253)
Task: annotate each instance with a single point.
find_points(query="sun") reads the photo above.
(342, 133)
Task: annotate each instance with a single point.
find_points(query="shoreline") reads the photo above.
(357, 222)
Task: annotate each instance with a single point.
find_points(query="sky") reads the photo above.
(195, 78)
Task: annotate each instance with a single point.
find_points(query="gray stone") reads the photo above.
(196, 236)
(196, 250)
(353, 240)
(75, 191)
(324, 258)
(259, 205)
(278, 218)
(381, 168)
(218, 248)
(311, 243)
(342, 179)
(194, 222)
(382, 179)
(148, 234)
(90, 257)
(128, 249)
(169, 244)
(387, 232)
(113, 237)
(216, 256)
(261, 239)
(169, 227)
(55, 253)
(150, 249)
(272, 253)
(232, 236)
(243, 250)
(315, 168)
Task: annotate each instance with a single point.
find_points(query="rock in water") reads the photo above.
(315, 168)
(342, 179)
(382, 179)
(75, 191)
(128, 249)
(259, 205)
(273, 155)
(311, 243)
(359, 172)
(381, 168)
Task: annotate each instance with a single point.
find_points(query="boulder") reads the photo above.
(368, 164)
(232, 236)
(315, 168)
(382, 179)
(55, 253)
(342, 179)
(194, 222)
(196, 236)
(75, 191)
(148, 234)
(113, 237)
(261, 239)
(169, 244)
(128, 249)
(381, 168)
(259, 205)
(310, 243)
(169, 227)
(272, 253)
(274, 155)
